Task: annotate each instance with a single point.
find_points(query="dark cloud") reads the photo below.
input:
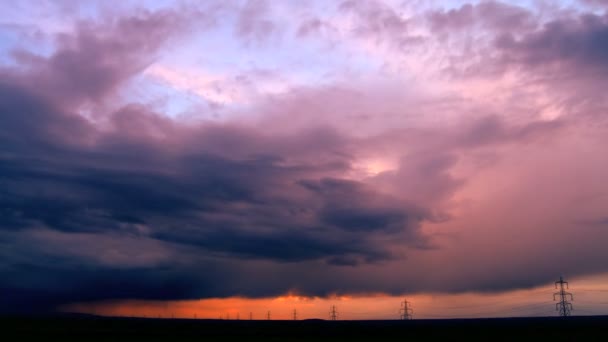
(215, 202)
(347, 205)
(579, 43)
(571, 46)
(220, 193)
(35, 288)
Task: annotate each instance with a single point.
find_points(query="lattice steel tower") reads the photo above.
(406, 311)
(564, 307)
(333, 313)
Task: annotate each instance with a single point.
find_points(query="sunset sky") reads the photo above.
(218, 158)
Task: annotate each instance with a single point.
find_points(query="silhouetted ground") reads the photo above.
(87, 328)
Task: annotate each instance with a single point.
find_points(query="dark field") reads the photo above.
(130, 329)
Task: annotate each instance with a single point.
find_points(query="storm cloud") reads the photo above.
(468, 181)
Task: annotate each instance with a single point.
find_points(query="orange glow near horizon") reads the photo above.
(530, 302)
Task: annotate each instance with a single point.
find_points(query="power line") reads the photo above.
(405, 311)
(564, 307)
(333, 314)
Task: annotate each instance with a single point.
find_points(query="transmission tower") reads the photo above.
(268, 316)
(564, 307)
(238, 316)
(250, 316)
(295, 315)
(406, 311)
(333, 314)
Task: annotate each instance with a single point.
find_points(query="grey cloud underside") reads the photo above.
(252, 208)
(256, 208)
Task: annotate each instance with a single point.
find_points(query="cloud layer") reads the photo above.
(471, 172)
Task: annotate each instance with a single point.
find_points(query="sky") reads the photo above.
(218, 158)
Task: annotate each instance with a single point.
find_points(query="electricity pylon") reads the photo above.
(564, 307)
(405, 311)
(295, 315)
(333, 314)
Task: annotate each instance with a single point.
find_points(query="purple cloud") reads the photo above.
(393, 181)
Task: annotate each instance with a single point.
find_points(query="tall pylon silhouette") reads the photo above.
(564, 306)
(333, 313)
(406, 312)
